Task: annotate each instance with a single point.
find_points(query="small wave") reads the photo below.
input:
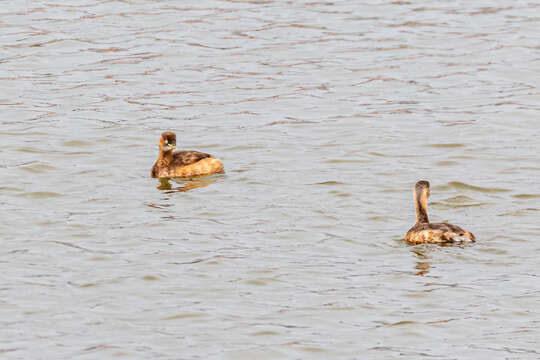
(40, 195)
(520, 212)
(460, 199)
(345, 161)
(77, 143)
(37, 168)
(463, 186)
(526, 196)
(330, 182)
(447, 163)
(446, 146)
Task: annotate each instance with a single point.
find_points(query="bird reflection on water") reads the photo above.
(423, 259)
(186, 183)
(423, 264)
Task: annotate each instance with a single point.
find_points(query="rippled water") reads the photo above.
(324, 114)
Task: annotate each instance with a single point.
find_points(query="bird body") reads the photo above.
(425, 232)
(182, 163)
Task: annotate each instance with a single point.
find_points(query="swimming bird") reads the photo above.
(425, 232)
(182, 163)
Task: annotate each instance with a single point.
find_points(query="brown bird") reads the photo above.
(182, 163)
(425, 232)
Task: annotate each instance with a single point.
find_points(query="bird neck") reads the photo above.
(420, 205)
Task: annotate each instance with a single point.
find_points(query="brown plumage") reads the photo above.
(425, 232)
(182, 163)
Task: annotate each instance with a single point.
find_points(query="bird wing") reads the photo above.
(184, 158)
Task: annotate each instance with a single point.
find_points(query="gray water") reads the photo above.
(325, 114)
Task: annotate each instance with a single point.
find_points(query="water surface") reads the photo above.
(324, 114)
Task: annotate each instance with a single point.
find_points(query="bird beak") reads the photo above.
(172, 147)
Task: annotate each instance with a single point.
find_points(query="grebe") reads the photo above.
(182, 163)
(425, 232)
